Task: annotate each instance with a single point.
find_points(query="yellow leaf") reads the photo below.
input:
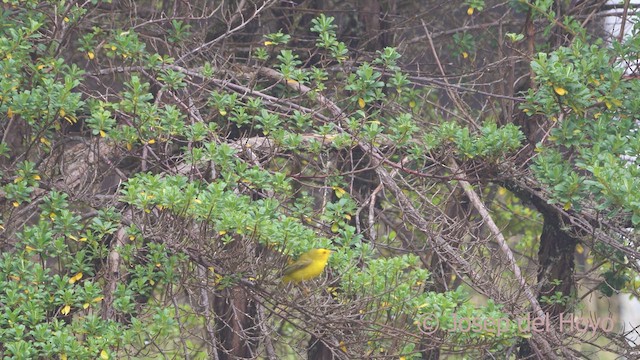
(222, 112)
(65, 310)
(470, 11)
(579, 249)
(465, 54)
(129, 146)
(292, 82)
(62, 112)
(104, 355)
(339, 191)
(91, 55)
(36, 177)
(98, 299)
(131, 237)
(29, 248)
(222, 232)
(15, 204)
(218, 278)
(267, 43)
(103, 134)
(158, 265)
(18, 179)
(75, 278)
(567, 206)
(113, 48)
(335, 228)
(612, 103)
(85, 305)
(63, 356)
(589, 260)
(66, 19)
(560, 90)
(343, 347)
(347, 216)
(361, 103)
(151, 141)
(9, 113)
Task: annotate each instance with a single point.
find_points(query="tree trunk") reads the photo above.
(318, 350)
(235, 323)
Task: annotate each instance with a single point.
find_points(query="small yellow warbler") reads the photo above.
(308, 266)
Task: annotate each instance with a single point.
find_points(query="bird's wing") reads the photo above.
(300, 264)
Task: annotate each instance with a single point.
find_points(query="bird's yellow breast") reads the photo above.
(308, 266)
(308, 272)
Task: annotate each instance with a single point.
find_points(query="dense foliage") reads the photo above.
(161, 163)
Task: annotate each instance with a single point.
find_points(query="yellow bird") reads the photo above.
(308, 266)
